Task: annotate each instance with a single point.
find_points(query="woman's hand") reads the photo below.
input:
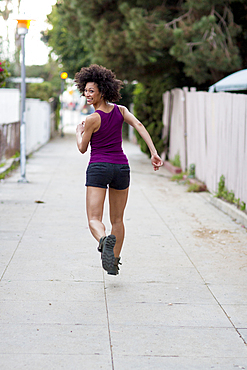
(156, 162)
(85, 130)
(80, 128)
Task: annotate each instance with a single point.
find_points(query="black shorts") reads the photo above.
(102, 175)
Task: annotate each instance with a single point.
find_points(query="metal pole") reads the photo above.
(23, 113)
(61, 115)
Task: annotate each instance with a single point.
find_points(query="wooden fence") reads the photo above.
(210, 131)
(9, 140)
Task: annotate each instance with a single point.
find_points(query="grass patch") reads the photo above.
(14, 165)
(11, 168)
(16, 155)
(177, 177)
(194, 188)
(229, 196)
(176, 161)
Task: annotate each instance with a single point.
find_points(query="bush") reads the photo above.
(126, 100)
(148, 108)
(43, 91)
(4, 74)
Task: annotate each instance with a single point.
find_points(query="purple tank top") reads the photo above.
(106, 143)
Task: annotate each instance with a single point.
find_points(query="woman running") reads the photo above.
(108, 166)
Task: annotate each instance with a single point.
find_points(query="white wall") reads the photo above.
(38, 117)
(38, 128)
(9, 105)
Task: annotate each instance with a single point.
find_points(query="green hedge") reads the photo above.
(148, 108)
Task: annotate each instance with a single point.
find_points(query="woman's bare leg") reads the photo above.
(117, 200)
(95, 199)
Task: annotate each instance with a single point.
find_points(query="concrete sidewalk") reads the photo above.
(180, 301)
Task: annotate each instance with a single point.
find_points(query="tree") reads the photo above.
(205, 40)
(6, 8)
(120, 35)
(170, 43)
(64, 38)
(150, 38)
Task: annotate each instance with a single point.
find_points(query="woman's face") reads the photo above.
(92, 93)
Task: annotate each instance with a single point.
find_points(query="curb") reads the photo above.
(171, 168)
(227, 208)
(230, 209)
(8, 165)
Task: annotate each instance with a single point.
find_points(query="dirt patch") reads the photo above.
(221, 236)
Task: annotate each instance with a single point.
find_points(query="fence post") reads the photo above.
(185, 91)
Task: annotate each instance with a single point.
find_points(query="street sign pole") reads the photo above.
(23, 111)
(22, 27)
(63, 76)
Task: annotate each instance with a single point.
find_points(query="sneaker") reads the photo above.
(115, 269)
(100, 247)
(107, 256)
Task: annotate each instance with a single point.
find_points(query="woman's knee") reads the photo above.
(93, 223)
(117, 222)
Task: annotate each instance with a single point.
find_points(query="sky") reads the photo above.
(36, 52)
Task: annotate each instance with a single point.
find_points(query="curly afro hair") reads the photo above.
(105, 79)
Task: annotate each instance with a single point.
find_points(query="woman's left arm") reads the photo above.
(134, 122)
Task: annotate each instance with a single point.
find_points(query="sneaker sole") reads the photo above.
(108, 257)
(113, 272)
(115, 269)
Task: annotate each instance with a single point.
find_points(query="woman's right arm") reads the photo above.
(85, 130)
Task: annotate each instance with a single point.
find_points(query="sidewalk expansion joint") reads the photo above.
(11, 258)
(227, 316)
(108, 322)
(229, 319)
(34, 211)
